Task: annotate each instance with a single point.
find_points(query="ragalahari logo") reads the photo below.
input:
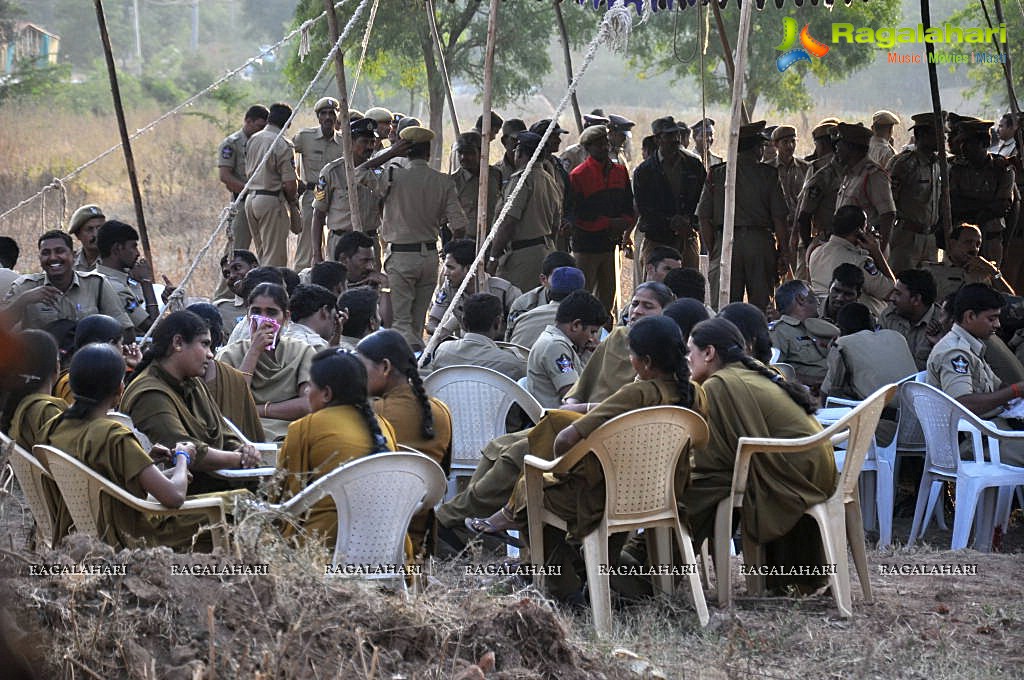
(808, 45)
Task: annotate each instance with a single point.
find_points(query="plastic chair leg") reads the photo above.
(696, 589)
(595, 553)
(832, 530)
(985, 518)
(868, 498)
(923, 497)
(535, 520)
(855, 537)
(753, 554)
(885, 494)
(966, 503)
(723, 539)
(1004, 504)
(705, 559)
(661, 540)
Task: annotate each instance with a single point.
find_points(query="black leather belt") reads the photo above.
(264, 192)
(519, 245)
(413, 247)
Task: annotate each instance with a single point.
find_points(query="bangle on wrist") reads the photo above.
(188, 458)
(266, 410)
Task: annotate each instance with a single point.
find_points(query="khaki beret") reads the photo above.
(783, 131)
(593, 134)
(416, 134)
(830, 120)
(823, 129)
(83, 215)
(751, 130)
(854, 134)
(884, 117)
(326, 103)
(379, 114)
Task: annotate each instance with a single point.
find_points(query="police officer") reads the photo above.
(619, 129)
(703, 138)
(330, 195)
(120, 263)
(816, 203)
(385, 125)
(916, 189)
(880, 148)
(317, 146)
(467, 178)
(272, 204)
(801, 338)
(964, 264)
(759, 244)
(792, 170)
(558, 172)
(231, 168)
(980, 187)
(507, 165)
(864, 183)
(85, 222)
(59, 297)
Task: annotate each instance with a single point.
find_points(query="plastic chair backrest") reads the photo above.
(939, 415)
(79, 487)
(787, 371)
(479, 399)
(30, 474)
(376, 497)
(638, 452)
(862, 423)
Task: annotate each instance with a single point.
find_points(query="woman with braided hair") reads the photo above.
(420, 422)
(747, 399)
(341, 427)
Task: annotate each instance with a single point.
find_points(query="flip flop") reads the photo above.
(481, 526)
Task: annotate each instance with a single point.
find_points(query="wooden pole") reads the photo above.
(567, 57)
(129, 160)
(945, 209)
(730, 66)
(432, 20)
(346, 134)
(737, 119)
(485, 132)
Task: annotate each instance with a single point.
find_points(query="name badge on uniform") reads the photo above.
(959, 365)
(564, 363)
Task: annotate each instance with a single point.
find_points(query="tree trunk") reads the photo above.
(435, 93)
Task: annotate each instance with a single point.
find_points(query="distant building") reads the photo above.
(30, 42)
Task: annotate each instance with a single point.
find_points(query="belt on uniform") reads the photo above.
(264, 192)
(413, 247)
(519, 245)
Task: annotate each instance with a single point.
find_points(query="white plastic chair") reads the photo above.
(942, 418)
(268, 453)
(638, 452)
(479, 399)
(81, 488)
(838, 517)
(30, 474)
(126, 420)
(376, 497)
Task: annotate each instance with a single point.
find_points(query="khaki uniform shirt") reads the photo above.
(957, 366)
(573, 156)
(916, 334)
(231, 154)
(791, 178)
(7, 277)
(83, 265)
(537, 210)
(867, 186)
(837, 251)
(316, 151)
(468, 187)
(498, 287)
(280, 165)
(553, 364)
(478, 350)
(759, 196)
(303, 333)
(880, 151)
(989, 184)
(506, 169)
(90, 293)
(417, 201)
(916, 187)
(330, 196)
(862, 362)
(531, 299)
(949, 277)
(527, 327)
(804, 345)
(130, 292)
(232, 311)
(818, 195)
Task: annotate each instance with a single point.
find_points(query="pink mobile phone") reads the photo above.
(257, 321)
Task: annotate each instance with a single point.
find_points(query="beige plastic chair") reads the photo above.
(479, 399)
(638, 452)
(30, 474)
(81, 488)
(268, 455)
(376, 497)
(838, 517)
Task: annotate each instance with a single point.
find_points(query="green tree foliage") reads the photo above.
(988, 79)
(401, 57)
(674, 34)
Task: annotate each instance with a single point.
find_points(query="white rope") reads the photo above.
(229, 211)
(613, 31)
(177, 109)
(362, 53)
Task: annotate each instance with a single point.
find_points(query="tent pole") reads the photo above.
(346, 134)
(730, 66)
(485, 134)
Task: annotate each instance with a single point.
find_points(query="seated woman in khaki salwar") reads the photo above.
(657, 353)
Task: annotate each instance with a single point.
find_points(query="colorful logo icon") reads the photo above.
(808, 45)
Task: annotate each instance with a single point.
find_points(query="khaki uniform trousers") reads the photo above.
(522, 267)
(689, 248)
(412, 276)
(304, 247)
(270, 226)
(908, 249)
(753, 266)
(500, 466)
(599, 271)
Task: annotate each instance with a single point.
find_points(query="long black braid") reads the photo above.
(343, 372)
(391, 345)
(659, 339)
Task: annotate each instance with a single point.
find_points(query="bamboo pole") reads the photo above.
(567, 57)
(737, 118)
(945, 209)
(152, 308)
(432, 20)
(346, 133)
(730, 65)
(485, 132)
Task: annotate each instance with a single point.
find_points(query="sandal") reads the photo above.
(482, 527)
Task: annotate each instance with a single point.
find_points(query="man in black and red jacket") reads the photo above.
(603, 200)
